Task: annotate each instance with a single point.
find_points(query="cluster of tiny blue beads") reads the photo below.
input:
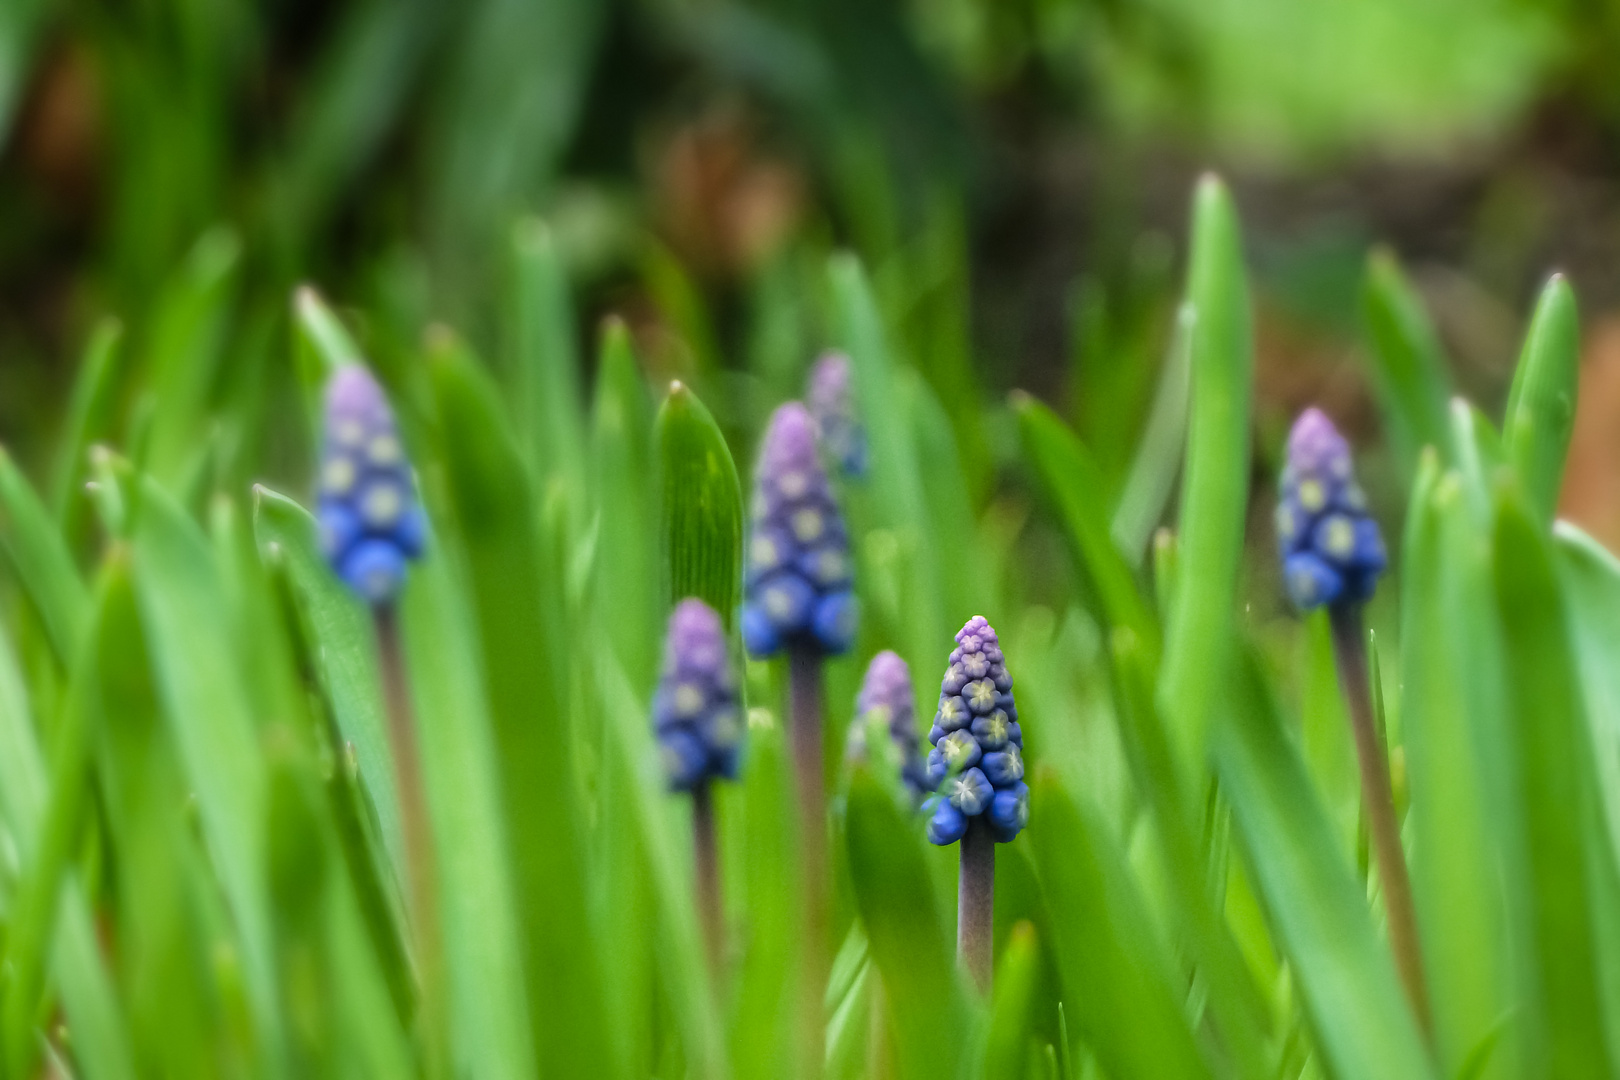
(885, 699)
(1332, 552)
(371, 524)
(798, 583)
(977, 761)
(831, 397)
(696, 716)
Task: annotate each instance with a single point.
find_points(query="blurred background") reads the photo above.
(1015, 173)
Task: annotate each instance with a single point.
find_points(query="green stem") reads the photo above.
(33, 921)
(804, 720)
(705, 857)
(975, 902)
(420, 870)
(1378, 805)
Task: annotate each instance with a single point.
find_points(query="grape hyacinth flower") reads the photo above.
(371, 525)
(798, 582)
(977, 766)
(977, 745)
(1331, 548)
(798, 598)
(885, 700)
(832, 405)
(696, 715)
(697, 720)
(1332, 556)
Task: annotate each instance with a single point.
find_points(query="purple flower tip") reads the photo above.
(790, 443)
(1315, 445)
(354, 391)
(371, 524)
(696, 715)
(832, 406)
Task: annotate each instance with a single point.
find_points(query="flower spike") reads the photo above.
(371, 523)
(977, 761)
(696, 715)
(832, 405)
(885, 697)
(798, 583)
(1331, 549)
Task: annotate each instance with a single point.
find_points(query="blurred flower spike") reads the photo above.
(1332, 552)
(885, 700)
(798, 584)
(977, 761)
(832, 406)
(696, 715)
(371, 523)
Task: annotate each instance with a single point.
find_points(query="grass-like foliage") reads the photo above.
(254, 825)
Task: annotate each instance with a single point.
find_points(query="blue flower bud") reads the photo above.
(1009, 811)
(993, 730)
(834, 622)
(1330, 547)
(946, 823)
(980, 696)
(799, 568)
(886, 698)
(370, 523)
(758, 633)
(696, 715)
(977, 761)
(832, 405)
(953, 714)
(970, 792)
(1004, 767)
(960, 750)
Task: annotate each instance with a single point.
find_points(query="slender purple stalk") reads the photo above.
(1378, 799)
(706, 869)
(413, 812)
(976, 902)
(804, 734)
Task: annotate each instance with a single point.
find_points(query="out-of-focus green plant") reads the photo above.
(205, 869)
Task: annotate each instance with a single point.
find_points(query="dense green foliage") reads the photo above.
(588, 246)
(205, 868)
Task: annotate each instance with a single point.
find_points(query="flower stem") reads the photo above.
(420, 871)
(1378, 801)
(804, 719)
(706, 863)
(975, 902)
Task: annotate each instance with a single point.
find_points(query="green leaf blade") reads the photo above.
(523, 656)
(1556, 797)
(701, 509)
(1075, 484)
(1408, 366)
(1317, 906)
(1541, 406)
(1215, 479)
(1115, 971)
